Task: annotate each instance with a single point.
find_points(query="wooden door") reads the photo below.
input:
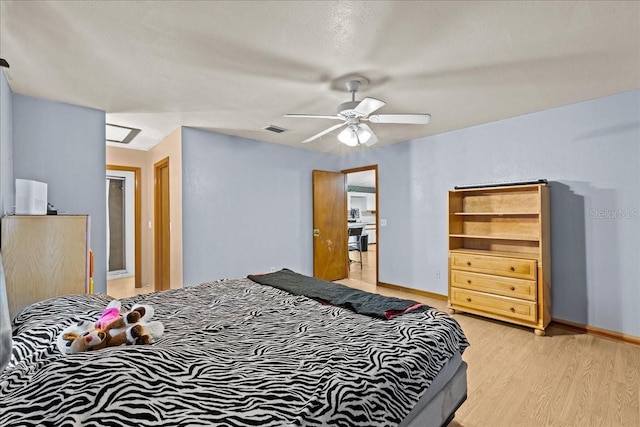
(162, 227)
(330, 258)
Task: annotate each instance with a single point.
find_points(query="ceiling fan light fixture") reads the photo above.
(348, 137)
(364, 134)
(353, 136)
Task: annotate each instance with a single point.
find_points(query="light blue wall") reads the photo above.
(64, 146)
(246, 206)
(6, 156)
(590, 152)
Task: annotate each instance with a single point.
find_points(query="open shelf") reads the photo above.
(496, 237)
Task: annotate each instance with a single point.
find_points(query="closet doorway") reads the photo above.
(123, 223)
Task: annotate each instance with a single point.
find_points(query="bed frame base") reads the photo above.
(453, 414)
(440, 410)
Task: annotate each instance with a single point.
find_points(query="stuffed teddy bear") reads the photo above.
(111, 329)
(66, 337)
(143, 330)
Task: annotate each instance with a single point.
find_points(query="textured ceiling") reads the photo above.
(236, 67)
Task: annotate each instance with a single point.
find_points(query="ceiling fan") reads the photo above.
(354, 113)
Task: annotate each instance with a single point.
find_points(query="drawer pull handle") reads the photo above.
(512, 268)
(469, 281)
(513, 288)
(469, 263)
(468, 299)
(513, 310)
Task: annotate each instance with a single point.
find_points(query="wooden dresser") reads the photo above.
(499, 254)
(43, 257)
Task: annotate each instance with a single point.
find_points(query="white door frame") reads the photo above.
(129, 180)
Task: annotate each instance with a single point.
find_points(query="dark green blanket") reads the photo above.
(361, 302)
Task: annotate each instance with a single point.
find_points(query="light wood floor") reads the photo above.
(125, 287)
(516, 378)
(366, 272)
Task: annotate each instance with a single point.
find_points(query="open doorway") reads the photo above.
(118, 221)
(362, 214)
(123, 224)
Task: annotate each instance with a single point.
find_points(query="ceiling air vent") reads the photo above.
(121, 134)
(276, 129)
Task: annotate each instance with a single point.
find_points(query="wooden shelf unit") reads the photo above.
(499, 253)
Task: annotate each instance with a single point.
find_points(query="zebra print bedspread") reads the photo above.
(234, 353)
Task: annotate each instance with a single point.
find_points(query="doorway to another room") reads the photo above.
(119, 225)
(362, 217)
(123, 231)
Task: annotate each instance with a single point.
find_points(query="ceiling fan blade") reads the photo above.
(324, 132)
(313, 116)
(410, 119)
(373, 139)
(368, 106)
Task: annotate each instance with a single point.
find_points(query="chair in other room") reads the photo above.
(355, 244)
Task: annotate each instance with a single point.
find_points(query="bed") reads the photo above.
(238, 353)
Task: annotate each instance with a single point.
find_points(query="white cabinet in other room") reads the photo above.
(362, 201)
(371, 201)
(371, 231)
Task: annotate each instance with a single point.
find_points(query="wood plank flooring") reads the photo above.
(366, 272)
(125, 287)
(516, 378)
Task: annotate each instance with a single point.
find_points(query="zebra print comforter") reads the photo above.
(234, 353)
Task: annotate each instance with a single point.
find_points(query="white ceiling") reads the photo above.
(236, 67)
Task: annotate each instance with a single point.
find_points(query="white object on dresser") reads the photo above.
(31, 197)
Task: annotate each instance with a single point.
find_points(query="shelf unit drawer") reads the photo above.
(510, 267)
(508, 307)
(506, 286)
